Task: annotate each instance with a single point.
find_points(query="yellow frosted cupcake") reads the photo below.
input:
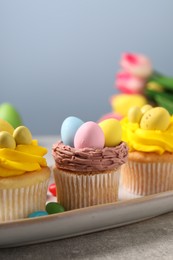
(148, 132)
(24, 174)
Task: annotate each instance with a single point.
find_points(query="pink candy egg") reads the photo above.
(89, 135)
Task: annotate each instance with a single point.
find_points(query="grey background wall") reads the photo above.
(59, 58)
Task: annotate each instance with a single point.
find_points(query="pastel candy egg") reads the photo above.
(145, 108)
(89, 135)
(7, 140)
(68, 129)
(54, 207)
(5, 126)
(134, 114)
(37, 214)
(157, 118)
(22, 135)
(9, 113)
(112, 131)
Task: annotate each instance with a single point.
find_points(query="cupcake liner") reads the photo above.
(78, 191)
(147, 178)
(19, 202)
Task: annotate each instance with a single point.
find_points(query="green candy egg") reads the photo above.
(9, 113)
(7, 140)
(54, 207)
(22, 135)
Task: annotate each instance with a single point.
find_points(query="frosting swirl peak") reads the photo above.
(25, 158)
(142, 140)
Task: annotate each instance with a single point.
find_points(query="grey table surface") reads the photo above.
(149, 239)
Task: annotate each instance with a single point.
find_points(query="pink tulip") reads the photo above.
(128, 83)
(136, 64)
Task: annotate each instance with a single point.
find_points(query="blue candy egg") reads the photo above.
(37, 214)
(69, 128)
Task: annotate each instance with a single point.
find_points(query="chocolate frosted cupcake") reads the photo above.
(88, 173)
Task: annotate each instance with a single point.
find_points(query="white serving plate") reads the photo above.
(84, 221)
(129, 209)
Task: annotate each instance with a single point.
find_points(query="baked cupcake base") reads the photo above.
(78, 190)
(147, 173)
(24, 194)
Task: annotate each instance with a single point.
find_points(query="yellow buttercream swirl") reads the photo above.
(25, 158)
(147, 140)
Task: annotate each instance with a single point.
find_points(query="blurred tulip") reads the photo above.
(136, 64)
(121, 103)
(128, 83)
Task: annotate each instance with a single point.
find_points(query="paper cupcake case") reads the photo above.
(19, 202)
(147, 178)
(84, 190)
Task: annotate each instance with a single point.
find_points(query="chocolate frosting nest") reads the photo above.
(89, 159)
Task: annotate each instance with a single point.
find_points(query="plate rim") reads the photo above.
(84, 210)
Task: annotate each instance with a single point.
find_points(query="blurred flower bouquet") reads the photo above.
(140, 84)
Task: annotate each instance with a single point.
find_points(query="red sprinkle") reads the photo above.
(52, 189)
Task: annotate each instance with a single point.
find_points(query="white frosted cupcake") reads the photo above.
(24, 175)
(87, 173)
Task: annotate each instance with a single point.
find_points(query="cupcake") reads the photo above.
(24, 174)
(148, 131)
(87, 162)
